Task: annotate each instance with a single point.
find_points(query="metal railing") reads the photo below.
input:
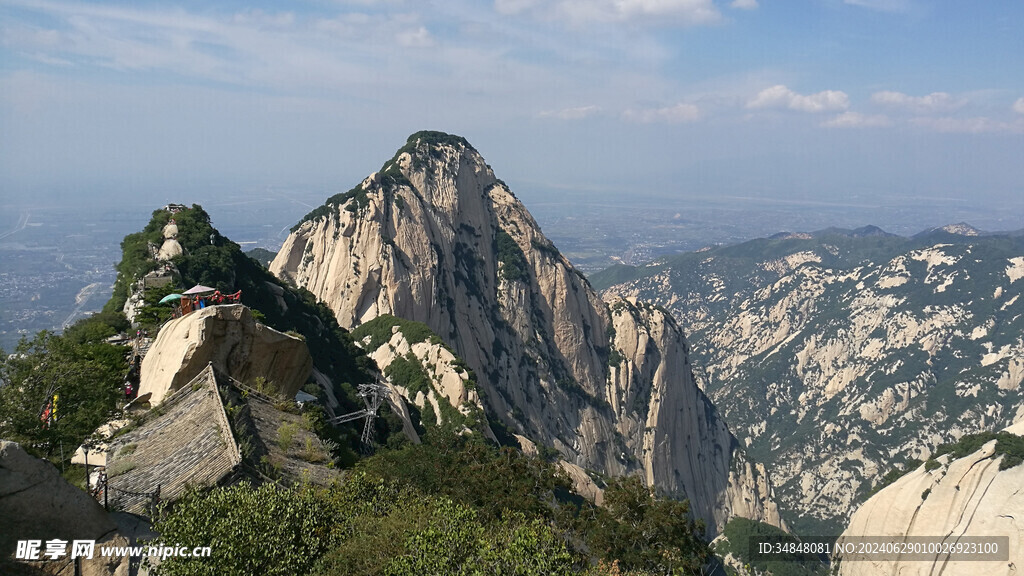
(132, 501)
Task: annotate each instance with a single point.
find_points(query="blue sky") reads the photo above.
(814, 100)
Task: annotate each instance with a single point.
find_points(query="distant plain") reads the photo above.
(57, 257)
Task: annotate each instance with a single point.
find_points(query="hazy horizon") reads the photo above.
(876, 102)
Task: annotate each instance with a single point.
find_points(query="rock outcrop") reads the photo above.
(170, 247)
(429, 376)
(958, 499)
(230, 338)
(36, 503)
(436, 238)
(834, 356)
(582, 483)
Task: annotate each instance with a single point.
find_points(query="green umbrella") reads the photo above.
(170, 298)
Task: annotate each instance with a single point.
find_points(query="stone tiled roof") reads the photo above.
(189, 444)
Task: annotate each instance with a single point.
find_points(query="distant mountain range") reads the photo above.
(838, 354)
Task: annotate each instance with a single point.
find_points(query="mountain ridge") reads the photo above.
(837, 357)
(435, 237)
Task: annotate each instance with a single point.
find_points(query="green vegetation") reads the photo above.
(213, 260)
(264, 386)
(380, 331)
(455, 506)
(310, 453)
(638, 531)
(75, 475)
(946, 387)
(740, 531)
(77, 378)
(286, 435)
(615, 357)
(434, 138)
(1009, 446)
(262, 255)
(407, 371)
(357, 196)
(428, 418)
(646, 533)
(969, 444)
(96, 328)
(136, 259)
(546, 248)
(264, 530)
(153, 314)
(120, 467)
(895, 474)
(510, 257)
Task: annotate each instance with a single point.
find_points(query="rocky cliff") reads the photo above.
(837, 355)
(952, 499)
(230, 338)
(435, 237)
(427, 374)
(36, 503)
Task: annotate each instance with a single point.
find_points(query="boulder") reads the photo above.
(36, 503)
(582, 483)
(229, 338)
(169, 249)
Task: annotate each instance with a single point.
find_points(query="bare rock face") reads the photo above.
(965, 497)
(582, 483)
(654, 373)
(231, 339)
(447, 390)
(434, 237)
(170, 248)
(835, 357)
(36, 503)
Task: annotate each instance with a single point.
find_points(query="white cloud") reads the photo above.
(261, 19)
(50, 60)
(1018, 106)
(932, 103)
(416, 38)
(513, 6)
(976, 125)
(744, 4)
(684, 12)
(780, 96)
(676, 114)
(247, 48)
(577, 113)
(857, 120)
(882, 5)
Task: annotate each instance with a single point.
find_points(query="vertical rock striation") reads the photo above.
(436, 238)
(949, 499)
